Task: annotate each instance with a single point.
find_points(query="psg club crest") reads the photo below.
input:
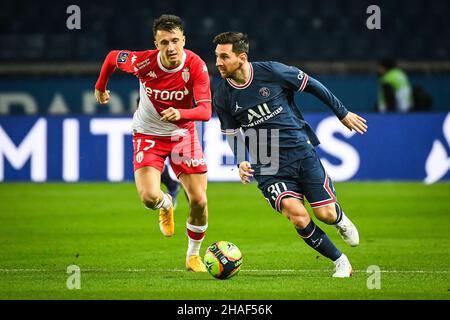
(185, 74)
(264, 92)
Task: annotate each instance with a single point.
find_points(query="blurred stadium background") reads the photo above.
(51, 130)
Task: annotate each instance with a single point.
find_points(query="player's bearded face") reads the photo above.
(227, 62)
(170, 44)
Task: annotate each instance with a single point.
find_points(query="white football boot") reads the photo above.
(343, 267)
(348, 231)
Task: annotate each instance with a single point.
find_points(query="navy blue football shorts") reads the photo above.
(304, 179)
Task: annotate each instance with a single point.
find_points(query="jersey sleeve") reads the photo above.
(128, 61)
(295, 79)
(124, 60)
(228, 124)
(202, 94)
(289, 77)
(321, 92)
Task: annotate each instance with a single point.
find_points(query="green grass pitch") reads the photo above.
(105, 231)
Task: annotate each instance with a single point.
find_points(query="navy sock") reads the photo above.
(319, 241)
(339, 213)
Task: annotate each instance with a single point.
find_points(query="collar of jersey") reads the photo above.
(245, 85)
(183, 60)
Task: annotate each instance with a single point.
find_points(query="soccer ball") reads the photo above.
(223, 259)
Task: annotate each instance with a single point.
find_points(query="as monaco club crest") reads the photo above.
(139, 156)
(185, 74)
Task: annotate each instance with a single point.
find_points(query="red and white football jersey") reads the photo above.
(162, 88)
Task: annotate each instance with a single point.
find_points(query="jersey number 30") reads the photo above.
(276, 189)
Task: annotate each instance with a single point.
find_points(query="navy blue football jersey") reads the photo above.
(266, 101)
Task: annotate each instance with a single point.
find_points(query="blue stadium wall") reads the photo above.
(99, 148)
(66, 136)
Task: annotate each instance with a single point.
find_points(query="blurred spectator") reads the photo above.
(394, 88)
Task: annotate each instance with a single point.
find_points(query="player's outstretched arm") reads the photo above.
(108, 67)
(355, 122)
(321, 92)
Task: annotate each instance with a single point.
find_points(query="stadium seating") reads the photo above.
(295, 29)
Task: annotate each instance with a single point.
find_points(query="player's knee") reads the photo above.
(326, 214)
(150, 199)
(198, 202)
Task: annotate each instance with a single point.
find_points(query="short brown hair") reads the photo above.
(238, 40)
(167, 22)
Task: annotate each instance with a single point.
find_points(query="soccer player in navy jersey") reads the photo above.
(170, 77)
(258, 98)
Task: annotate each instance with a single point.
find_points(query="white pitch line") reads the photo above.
(242, 270)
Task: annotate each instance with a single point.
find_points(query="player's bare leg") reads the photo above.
(148, 185)
(313, 236)
(333, 214)
(295, 211)
(197, 223)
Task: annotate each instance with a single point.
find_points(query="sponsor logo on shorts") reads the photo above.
(195, 162)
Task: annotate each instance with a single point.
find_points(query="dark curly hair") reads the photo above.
(167, 22)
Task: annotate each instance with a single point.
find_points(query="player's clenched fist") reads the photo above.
(245, 172)
(102, 96)
(170, 115)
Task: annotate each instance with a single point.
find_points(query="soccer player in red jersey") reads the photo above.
(171, 78)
